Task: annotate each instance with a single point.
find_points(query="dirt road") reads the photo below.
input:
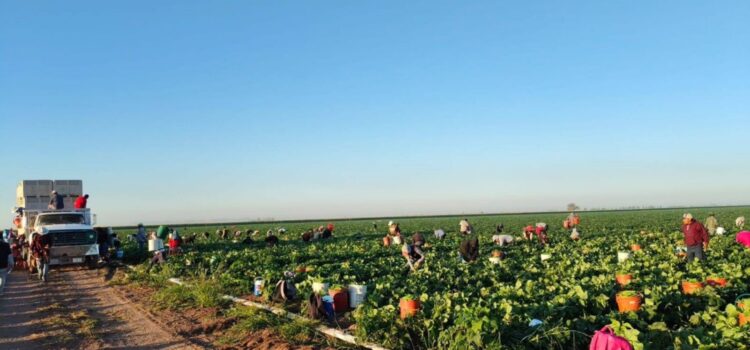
(77, 310)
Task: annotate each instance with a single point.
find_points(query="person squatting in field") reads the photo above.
(740, 222)
(696, 237)
(413, 252)
(468, 250)
(541, 232)
(711, 223)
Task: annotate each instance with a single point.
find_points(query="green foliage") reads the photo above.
(486, 306)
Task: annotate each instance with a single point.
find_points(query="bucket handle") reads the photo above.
(736, 300)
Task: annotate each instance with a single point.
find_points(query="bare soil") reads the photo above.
(76, 309)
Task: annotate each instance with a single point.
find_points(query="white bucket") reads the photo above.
(494, 259)
(258, 291)
(545, 256)
(357, 294)
(320, 287)
(622, 256)
(397, 240)
(155, 244)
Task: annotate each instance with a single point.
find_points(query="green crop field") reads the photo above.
(489, 306)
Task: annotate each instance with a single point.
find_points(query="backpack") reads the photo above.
(285, 291)
(606, 339)
(315, 308)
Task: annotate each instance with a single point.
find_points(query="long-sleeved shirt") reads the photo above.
(695, 233)
(56, 202)
(469, 249)
(80, 203)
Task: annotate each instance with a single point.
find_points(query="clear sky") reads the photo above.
(174, 111)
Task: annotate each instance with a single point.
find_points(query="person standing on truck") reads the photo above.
(56, 201)
(40, 247)
(6, 264)
(81, 202)
(696, 238)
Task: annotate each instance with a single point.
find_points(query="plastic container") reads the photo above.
(623, 279)
(320, 288)
(689, 287)
(716, 282)
(545, 257)
(68, 187)
(340, 299)
(495, 260)
(408, 308)
(34, 188)
(635, 247)
(120, 254)
(155, 244)
(628, 303)
(258, 289)
(623, 256)
(357, 294)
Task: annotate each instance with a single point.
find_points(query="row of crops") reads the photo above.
(487, 306)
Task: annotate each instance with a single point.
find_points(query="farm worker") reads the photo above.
(439, 233)
(711, 223)
(40, 246)
(468, 251)
(159, 257)
(102, 239)
(81, 202)
(271, 240)
(528, 232)
(15, 246)
(140, 237)
(6, 264)
(417, 239)
(696, 237)
(740, 222)
(163, 232)
(499, 229)
(743, 238)
(541, 232)
(394, 229)
(413, 254)
(56, 201)
(502, 240)
(175, 243)
(307, 236)
(327, 232)
(465, 226)
(374, 226)
(574, 235)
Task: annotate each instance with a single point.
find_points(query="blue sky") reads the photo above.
(176, 111)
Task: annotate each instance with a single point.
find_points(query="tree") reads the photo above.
(572, 207)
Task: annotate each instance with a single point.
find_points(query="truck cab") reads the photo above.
(73, 237)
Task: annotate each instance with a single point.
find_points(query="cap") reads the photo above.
(390, 223)
(688, 216)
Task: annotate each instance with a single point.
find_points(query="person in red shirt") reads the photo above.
(696, 238)
(81, 202)
(528, 232)
(541, 232)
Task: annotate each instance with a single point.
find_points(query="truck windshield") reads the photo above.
(60, 219)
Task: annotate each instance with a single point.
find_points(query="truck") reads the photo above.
(74, 240)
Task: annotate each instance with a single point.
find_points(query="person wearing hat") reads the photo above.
(711, 223)
(40, 248)
(696, 237)
(81, 202)
(56, 201)
(140, 237)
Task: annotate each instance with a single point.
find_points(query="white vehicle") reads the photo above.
(74, 240)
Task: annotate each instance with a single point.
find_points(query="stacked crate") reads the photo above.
(35, 194)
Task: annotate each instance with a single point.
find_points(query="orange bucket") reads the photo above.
(716, 281)
(408, 307)
(628, 303)
(576, 220)
(635, 247)
(623, 279)
(691, 287)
